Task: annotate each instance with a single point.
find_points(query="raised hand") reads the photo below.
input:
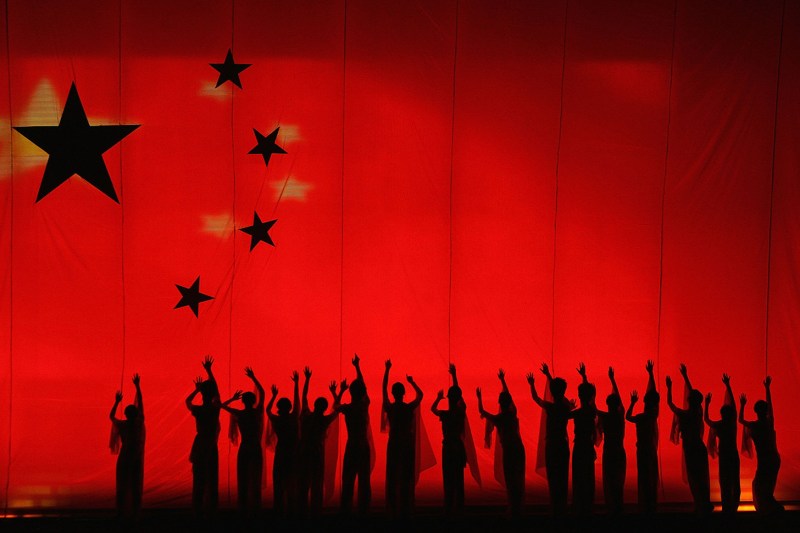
(743, 399)
(118, 396)
(410, 379)
(388, 364)
(726, 379)
(669, 382)
(634, 397)
(649, 366)
(451, 369)
(249, 372)
(545, 370)
(683, 370)
(307, 372)
(198, 382)
(581, 370)
(440, 395)
(343, 385)
(356, 360)
(237, 395)
(501, 374)
(478, 392)
(332, 386)
(530, 378)
(274, 390)
(768, 382)
(207, 362)
(295, 376)
(136, 379)
(708, 398)
(611, 372)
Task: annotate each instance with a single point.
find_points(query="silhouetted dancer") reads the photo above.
(286, 427)
(249, 424)
(612, 427)
(454, 452)
(127, 439)
(313, 434)
(556, 442)
(509, 438)
(583, 453)
(357, 461)
(646, 424)
(762, 432)
(722, 442)
(690, 425)
(205, 456)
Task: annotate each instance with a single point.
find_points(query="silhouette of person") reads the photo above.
(507, 425)
(357, 461)
(583, 453)
(127, 440)
(724, 430)
(646, 424)
(401, 447)
(556, 441)
(762, 432)
(250, 460)
(690, 425)
(285, 424)
(204, 455)
(612, 426)
(313, 433)
(454, 454)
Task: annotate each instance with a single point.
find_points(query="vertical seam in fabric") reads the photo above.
(11, 266)
(341, 207)
(233, 228)
(555, 210)
(450, 209)
(772, 193)
(663, 203)
(122, 206)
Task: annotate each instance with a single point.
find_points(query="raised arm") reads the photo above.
(207, 363)
(767, 383)
(197, 383)
(113, 414)
(726, 379)
(452, 370)
(435, 406)
(535, 395)
(271, 403)
(582, 371)
(614, 388)
(296, 396)
(307, 376)
(385, 383)
(138, 399)
(685, 374)
(481, 410)
(651, 380)
(707, 418)
(259, 388)
(675, 409)
(501, 375)
(629, 413)
(357, 365)
(226, 404)
(417, 391)
(742, 403)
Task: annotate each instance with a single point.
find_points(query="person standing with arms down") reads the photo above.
(646, 424)
(509, 438)
(724, 431)
(556, 441)
(357, 461)
(401, 447)
(286, 425)
(690, 425)
(127, 439)
(250, 460)
(205, 455)
(612, 426)
(762, 432)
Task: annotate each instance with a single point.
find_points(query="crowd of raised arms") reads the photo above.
(299, 432)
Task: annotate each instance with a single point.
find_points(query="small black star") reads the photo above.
(229, 71)
(75, 147)
(191, 296)
(266, 145)
(259, 231)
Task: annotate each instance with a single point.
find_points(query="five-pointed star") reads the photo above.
(266, 145)
(259, 231)
(75, 147)
(229, 71)
(191, 296)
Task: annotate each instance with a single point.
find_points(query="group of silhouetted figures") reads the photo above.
(301, 443)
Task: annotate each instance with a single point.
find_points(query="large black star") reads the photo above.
(75, 147)
(259, 231)
(229, 71)
(266, 145)
(191, 296)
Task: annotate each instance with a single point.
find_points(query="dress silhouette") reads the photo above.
(690, 425)
(724, 431)
(646, 424)
(762, 433)
(357, 461)
(249, 425)
(612, 426)
(204, 455)
(127, 439)
(583, 454)
(313, 434)
(401, 447)
(454, 449)
(556, 442)
(286, 427)
(508, 437)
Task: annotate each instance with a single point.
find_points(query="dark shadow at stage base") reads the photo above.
(674, 519)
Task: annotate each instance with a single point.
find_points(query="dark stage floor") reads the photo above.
(487, 519)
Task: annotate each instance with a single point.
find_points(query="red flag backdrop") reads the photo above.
(470, 181)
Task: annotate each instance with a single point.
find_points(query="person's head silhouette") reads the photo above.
(505, 401)
(651, 399)
(207, 392)
(558, 387)
(320, 405)
(761, 408)
(357, 390)
(728, 413)
(613, 402)
(284, 406)
(695, 399)
(131, 412)
(398, 392)
(249, 399)
(586, 393)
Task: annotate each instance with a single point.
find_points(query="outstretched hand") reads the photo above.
(742, 399)
(683, 370)
(545, 370)
(611, 372)
(634, 397)
(118, 396)
(501, 374)
(581, 369)
(207, 362)
(343, 386)
(440, 395)
(356, 360)
(274, 390)
(249, 372)
(295, 376)
(388, 364)
(768, 381)
(726, 379)
(708, 398)
(649, 366)
(136, 379)
(530, 378)
(410, 379)
(198, 382)
(332, 387)
(307, 372)
(237, 395)
(451, 369)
